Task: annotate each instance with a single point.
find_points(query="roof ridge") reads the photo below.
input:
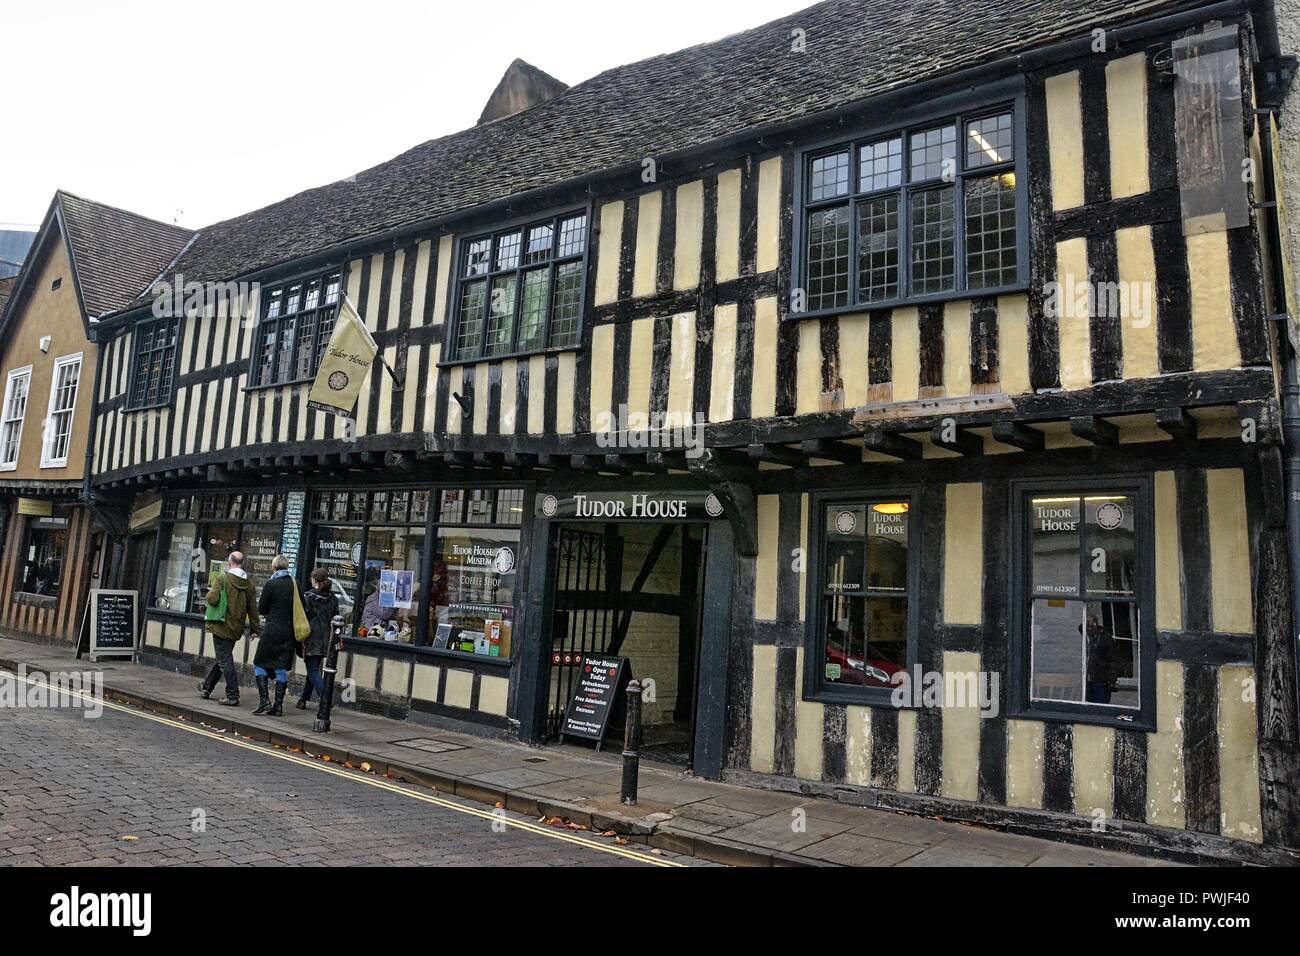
(61, 193)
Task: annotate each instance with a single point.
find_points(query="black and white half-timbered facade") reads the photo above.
(896, 387)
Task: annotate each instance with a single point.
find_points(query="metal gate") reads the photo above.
(585, 613)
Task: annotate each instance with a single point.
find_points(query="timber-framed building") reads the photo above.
(879, 355)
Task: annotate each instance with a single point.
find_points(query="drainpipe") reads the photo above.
(1290, 377)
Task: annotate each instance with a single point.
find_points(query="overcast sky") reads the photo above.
(193, 112)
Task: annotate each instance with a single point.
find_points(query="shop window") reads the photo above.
(296, 325)
(44, 548)
(928, 211)
(454, 592)
(63, 402)
(15, 408)
(1085, 635)
(472, 607)
(520, 290)
(863, 596)
(197, 536)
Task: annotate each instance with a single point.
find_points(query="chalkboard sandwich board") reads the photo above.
(113, 621)
(596, 696)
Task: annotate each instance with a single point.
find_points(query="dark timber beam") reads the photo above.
(779, 455)
(520, 459)
(1176, 422)
(831, 450)
(1095, 429)
(489, 459)
(553, 462)
(402, 461)
(668, 460)
(624, 464)
(961, 440)
(887, 443)
(1019, 436)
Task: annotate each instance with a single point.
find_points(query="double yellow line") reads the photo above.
(382, 784)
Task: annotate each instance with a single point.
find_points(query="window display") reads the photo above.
(473, 587)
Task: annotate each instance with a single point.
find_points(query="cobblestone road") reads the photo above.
(72, 788)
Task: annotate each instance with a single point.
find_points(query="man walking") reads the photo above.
(233, 588)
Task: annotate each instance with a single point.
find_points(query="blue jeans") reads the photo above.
(281, 676)
(314, 679)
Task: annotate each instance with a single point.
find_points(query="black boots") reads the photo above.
(278, 709)
(263, 701)
(302, 703)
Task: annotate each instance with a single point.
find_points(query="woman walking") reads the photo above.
(321, 606)
(284, 625)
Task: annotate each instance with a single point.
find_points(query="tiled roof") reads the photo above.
(117, 253)
(854, 49)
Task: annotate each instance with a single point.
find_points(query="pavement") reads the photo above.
(677, 817)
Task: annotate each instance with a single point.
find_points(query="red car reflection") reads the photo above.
(871, 672)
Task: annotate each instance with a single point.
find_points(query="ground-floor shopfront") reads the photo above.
(52, 552)
(1091, 639)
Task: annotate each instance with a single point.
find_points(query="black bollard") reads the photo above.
(632, 743)
(322, 724)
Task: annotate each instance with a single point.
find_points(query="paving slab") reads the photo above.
(852, 849)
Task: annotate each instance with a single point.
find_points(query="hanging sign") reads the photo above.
(345, 364)
(596, 695)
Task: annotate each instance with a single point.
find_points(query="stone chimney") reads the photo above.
(521, 88)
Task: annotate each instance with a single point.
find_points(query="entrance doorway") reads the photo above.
(634, 591)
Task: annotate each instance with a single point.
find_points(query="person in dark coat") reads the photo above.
(321, 606)
(276, 649)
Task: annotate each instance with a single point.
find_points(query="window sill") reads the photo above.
(450, 363)
(881, 697)
(131, 409)
(13, 467)
(365, 643)
(56, 463)
(916, 300)
(1131, 720)
(291, 383)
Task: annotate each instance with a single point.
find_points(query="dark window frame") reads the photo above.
(324, 311)
(815, 687)
(957, 109)
(1019, 702)
(20, 593)
(421, 643)
(459, 280)
(135, 400)
(194, 514)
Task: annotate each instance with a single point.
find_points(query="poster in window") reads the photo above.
(396, 588)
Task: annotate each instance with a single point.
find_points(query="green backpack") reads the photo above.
(217, 612)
